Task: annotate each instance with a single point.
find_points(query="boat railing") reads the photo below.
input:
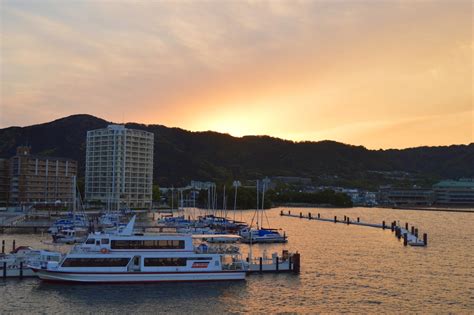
(78, 248)
(269, 260)
(220, 249)
(233, 266)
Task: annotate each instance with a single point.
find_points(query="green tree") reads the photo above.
(156, 195)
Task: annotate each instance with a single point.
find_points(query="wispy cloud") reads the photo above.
(299, 69)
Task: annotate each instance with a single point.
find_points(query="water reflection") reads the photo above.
(163, 296)
(344, 269)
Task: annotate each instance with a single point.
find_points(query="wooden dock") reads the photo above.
(410, 236)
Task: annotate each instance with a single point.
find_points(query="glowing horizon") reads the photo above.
(384, 75)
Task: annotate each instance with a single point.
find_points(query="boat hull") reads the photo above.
(137, 277)
(265, 240)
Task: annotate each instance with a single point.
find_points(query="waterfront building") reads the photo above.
(195, 184)
(119, 167)
(406, 196)
(41, 180)
(359, 197)
(455, 192)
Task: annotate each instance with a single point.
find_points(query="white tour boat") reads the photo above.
(129, 257)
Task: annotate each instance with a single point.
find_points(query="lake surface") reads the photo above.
(343, 269)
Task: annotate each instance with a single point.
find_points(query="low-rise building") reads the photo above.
(455, 192)
(406, 196)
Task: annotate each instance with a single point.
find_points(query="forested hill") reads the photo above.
(182, 155)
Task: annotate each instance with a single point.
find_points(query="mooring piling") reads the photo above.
(296, 262)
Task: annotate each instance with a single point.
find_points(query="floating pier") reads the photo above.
(275, 264)
(410, 237)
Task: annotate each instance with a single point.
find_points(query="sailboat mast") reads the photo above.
(257, 206)
(74, 194)
(208, 200)
(224, 208)
(235, 198)
(263, 200)
(194, 202)
(172, 201)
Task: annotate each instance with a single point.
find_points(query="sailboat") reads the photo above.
(261, 234)
(74, 227)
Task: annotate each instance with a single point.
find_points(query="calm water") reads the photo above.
(344, 269)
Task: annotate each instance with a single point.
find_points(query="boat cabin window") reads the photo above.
(165, 262)
(97, 242)
(104, 241)
(90, 241)
(96, 262)
(147, 244)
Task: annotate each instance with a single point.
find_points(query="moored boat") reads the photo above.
(263, 235)
(129, 257)
(15, 264)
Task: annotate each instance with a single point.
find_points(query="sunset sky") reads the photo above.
(383, 74)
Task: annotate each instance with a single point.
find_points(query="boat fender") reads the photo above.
(104, 250)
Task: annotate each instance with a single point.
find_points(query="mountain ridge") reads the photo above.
(182, 155)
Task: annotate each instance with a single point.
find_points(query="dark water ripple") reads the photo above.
(344, 269)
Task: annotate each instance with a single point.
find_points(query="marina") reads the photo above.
(124, 255)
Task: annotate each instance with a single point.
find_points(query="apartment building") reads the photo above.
(41, 180)
(119, 167)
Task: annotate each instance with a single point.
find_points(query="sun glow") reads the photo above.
(301, 71)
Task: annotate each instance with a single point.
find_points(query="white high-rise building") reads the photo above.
(119, 167)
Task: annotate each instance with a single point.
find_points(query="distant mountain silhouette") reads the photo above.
(182, 155)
